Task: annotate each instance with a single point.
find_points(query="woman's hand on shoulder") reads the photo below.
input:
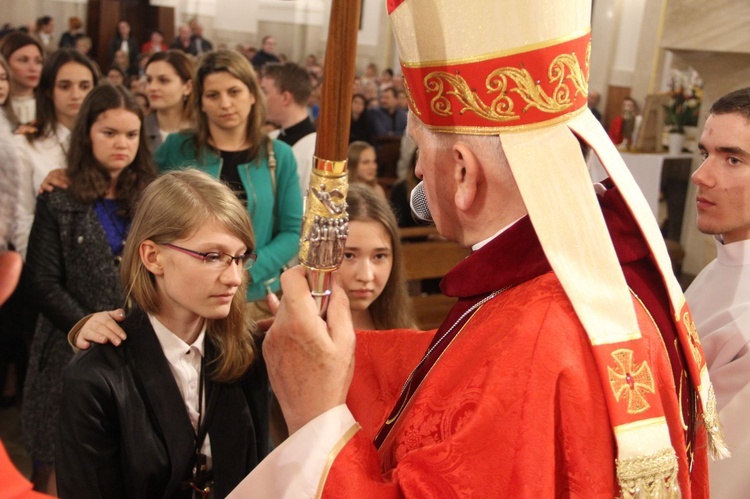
(101, 328)
(55, 178)
(26, 129)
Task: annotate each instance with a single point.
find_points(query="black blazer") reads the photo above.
(124, 430)
(133, 50)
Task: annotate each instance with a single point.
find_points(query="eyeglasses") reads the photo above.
(217, 259)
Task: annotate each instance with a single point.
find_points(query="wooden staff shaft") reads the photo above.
(325, 224)
(335, 117)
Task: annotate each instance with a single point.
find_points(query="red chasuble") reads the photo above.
(514, 406)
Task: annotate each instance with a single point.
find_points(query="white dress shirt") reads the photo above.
(185, 363)
(37, 159)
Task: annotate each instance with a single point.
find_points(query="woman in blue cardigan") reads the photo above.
(229, 144)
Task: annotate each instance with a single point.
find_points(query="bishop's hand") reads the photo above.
(310, 359)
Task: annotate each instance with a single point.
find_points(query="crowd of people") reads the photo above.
(85, 143)
(153, 208)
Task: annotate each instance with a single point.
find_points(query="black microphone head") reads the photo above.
(420, 210)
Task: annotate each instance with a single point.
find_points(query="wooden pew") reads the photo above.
(428, 256)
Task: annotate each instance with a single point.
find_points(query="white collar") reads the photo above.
(734, 254)
(486, 241)
(62, 132)
(172, 345)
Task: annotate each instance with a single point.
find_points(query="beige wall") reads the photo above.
(18, 12)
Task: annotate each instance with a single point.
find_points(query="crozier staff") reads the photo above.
(326, 203)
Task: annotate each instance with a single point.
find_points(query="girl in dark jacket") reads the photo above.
(178, 407)
(74, 248)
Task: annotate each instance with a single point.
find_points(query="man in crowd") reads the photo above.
(198, 44)
(183, 40)
(594, 100)
(287, 89)
(568, 365)
(266, 54)
(123, 41)
(388, 119)
(720, 296)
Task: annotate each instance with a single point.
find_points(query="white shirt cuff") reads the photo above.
(294, 468)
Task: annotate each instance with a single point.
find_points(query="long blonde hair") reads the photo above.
(174, 206)
(393, 308)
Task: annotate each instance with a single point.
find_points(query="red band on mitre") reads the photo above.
(392, 4)
(528, 89)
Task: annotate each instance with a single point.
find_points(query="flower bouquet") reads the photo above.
(684, 103)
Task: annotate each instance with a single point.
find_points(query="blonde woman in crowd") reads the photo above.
(182, 405)
(228, 143)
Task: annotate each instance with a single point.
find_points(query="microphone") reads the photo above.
(420, 210)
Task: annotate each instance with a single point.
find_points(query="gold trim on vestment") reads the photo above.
(687, 320)
(333, 454)
(638, 425)
(654, 475)
(497, 55)
(631, 380)
(717, 447)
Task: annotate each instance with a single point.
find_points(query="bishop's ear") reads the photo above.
(466, 175)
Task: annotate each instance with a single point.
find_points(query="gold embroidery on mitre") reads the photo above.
(693, 336)
(501, 108)
(414, 107)
(564, 71)
(717, 447)
(625, 380)
(649, 476)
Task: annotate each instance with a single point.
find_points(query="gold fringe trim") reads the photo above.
(717, 447)
(652, 476)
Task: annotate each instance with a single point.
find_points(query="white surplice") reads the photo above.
(719, 299)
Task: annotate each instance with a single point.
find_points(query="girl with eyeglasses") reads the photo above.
(181, 407)
(228, 143)
(372, 274)
(74, 249)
